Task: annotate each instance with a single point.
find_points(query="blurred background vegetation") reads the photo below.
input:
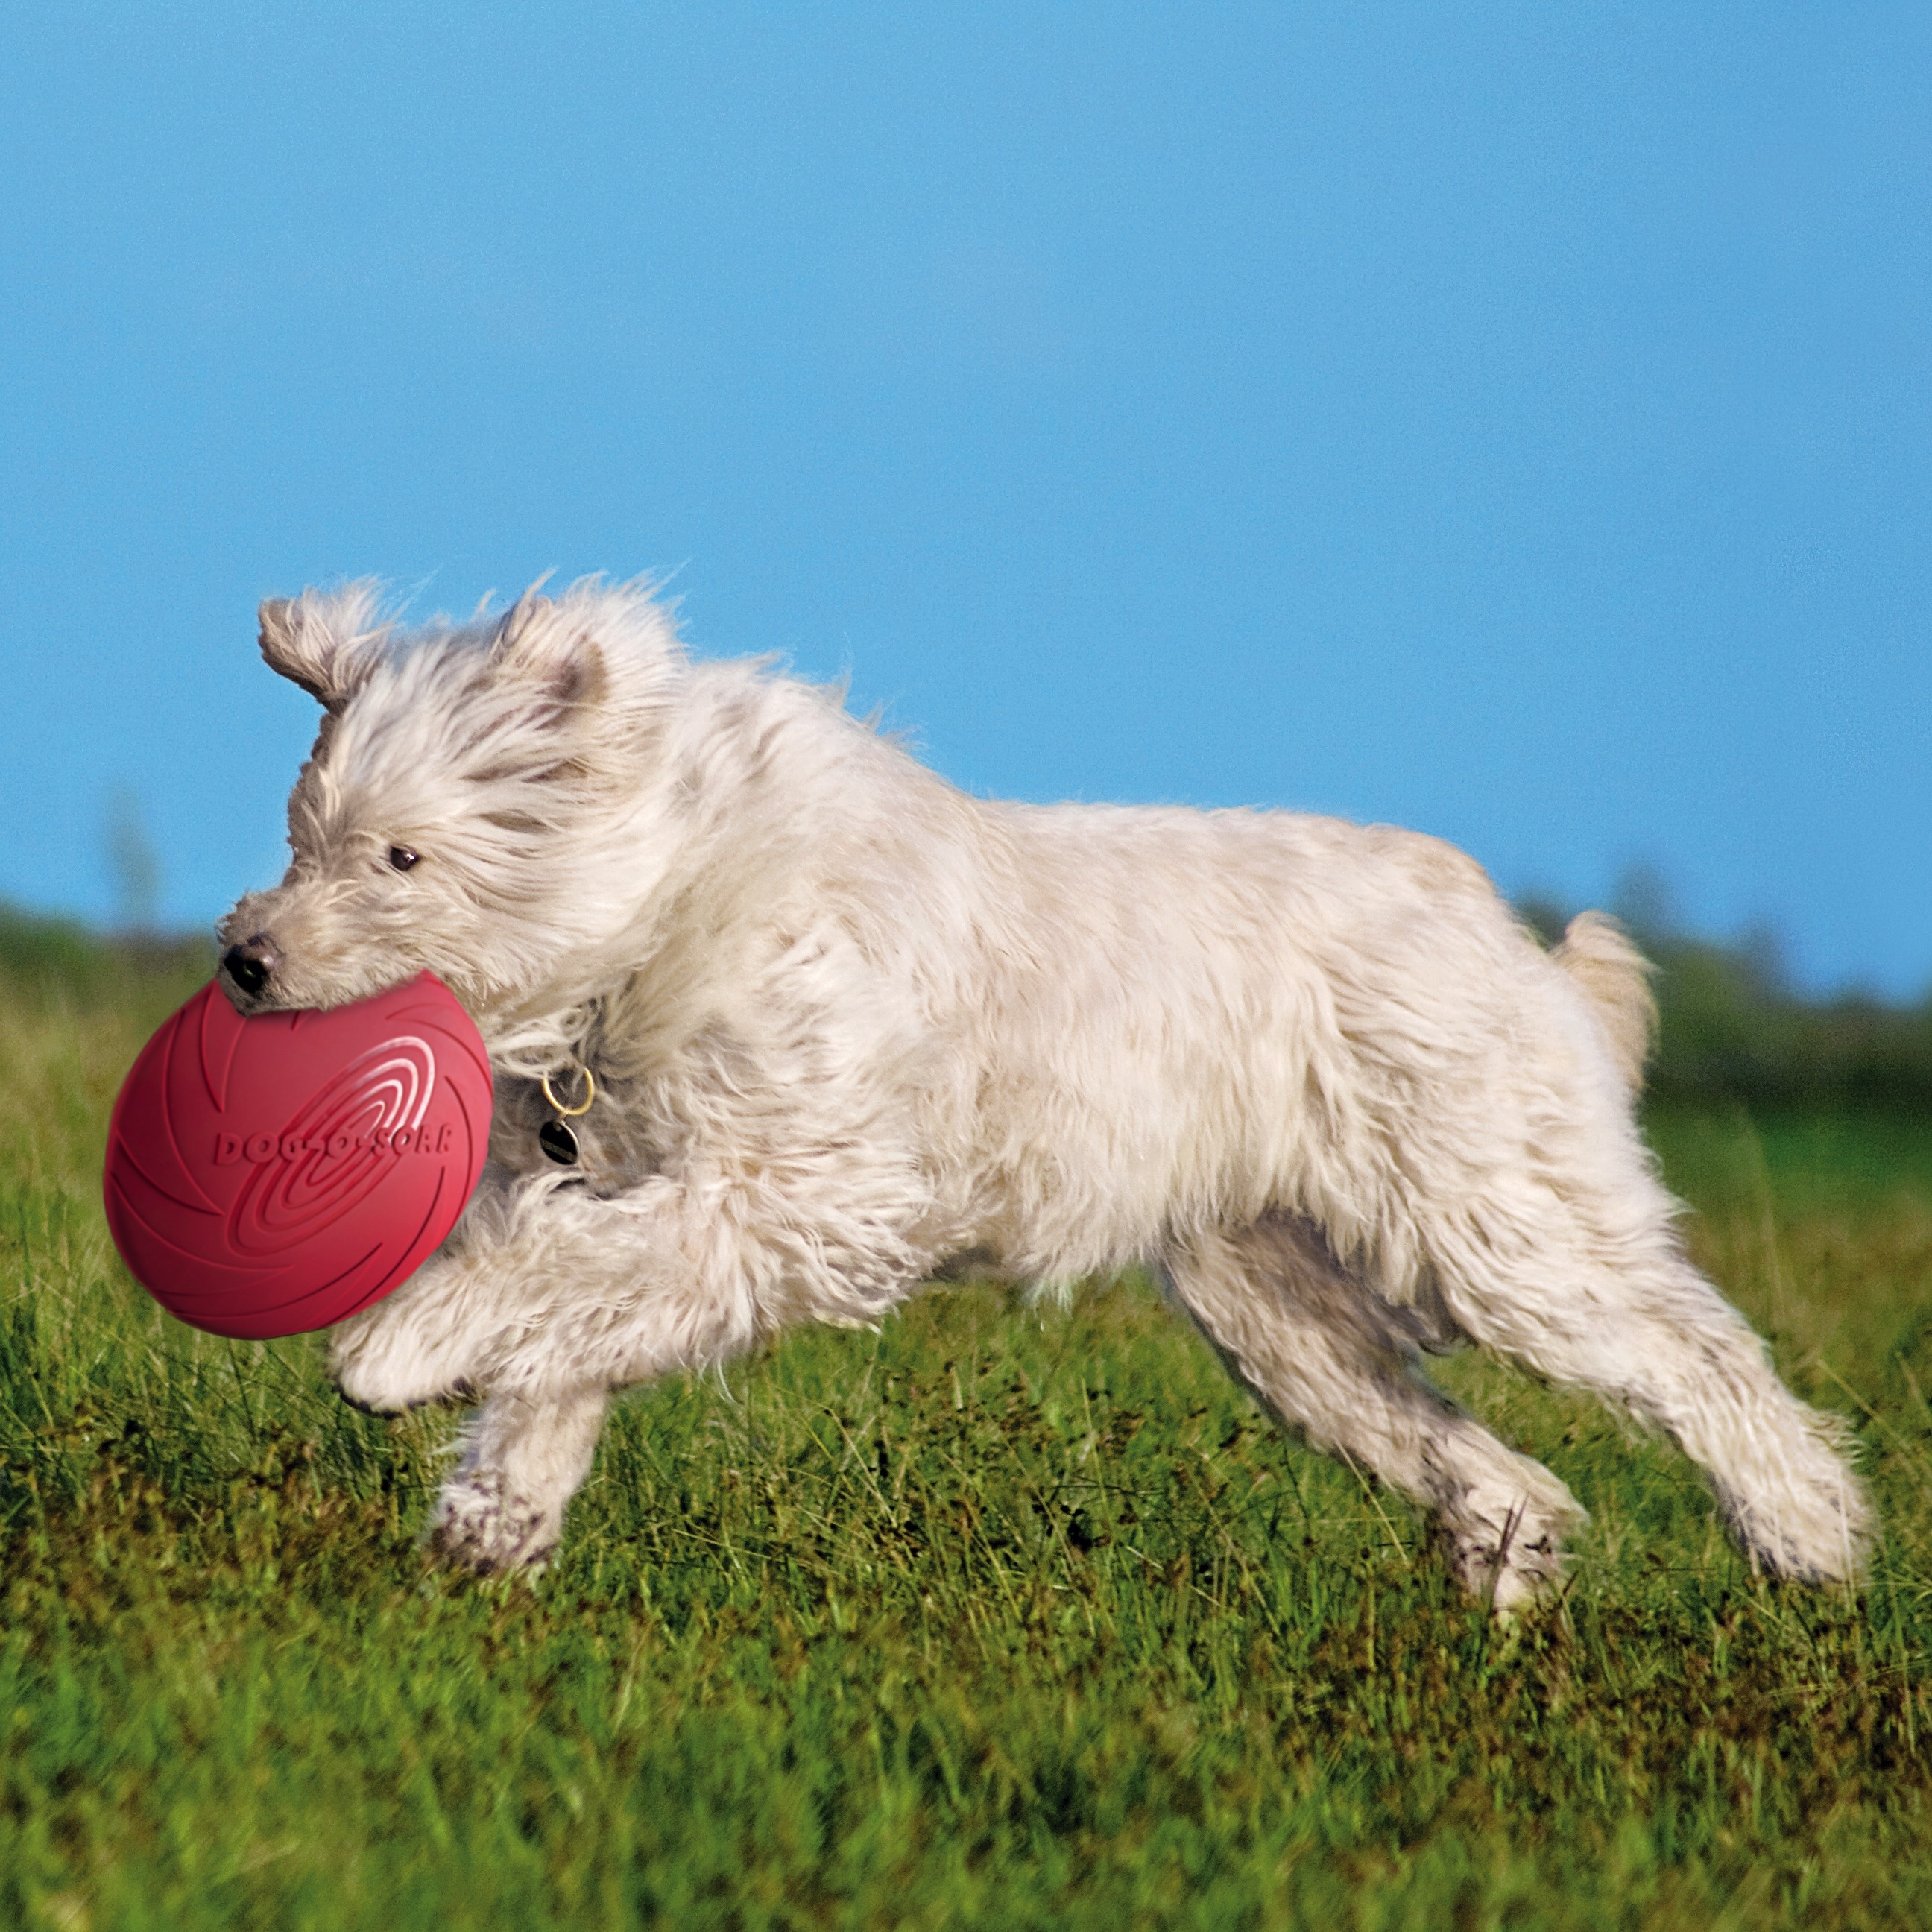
(1736, 1030)
(61, 961)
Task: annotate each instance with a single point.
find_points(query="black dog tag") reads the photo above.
(558, 1142)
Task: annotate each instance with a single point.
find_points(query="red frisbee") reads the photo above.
(275, 1174)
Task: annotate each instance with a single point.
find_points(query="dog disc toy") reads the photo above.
(274, 1173)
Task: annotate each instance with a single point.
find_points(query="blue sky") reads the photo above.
(1509, 421)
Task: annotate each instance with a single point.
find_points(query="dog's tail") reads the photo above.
(1614, 977)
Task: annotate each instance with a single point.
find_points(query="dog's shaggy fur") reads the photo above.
(850, 1027)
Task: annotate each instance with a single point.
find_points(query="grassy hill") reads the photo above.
(999, 1616)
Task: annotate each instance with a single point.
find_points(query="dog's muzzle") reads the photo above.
(250, 964)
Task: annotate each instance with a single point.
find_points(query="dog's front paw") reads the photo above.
(481, 1526)
(383, 1364)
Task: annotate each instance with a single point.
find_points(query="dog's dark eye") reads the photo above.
(402, 858)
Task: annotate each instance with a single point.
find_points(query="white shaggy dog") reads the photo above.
(850, 1028)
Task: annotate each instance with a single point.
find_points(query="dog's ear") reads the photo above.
(543, 644)
(324, 644)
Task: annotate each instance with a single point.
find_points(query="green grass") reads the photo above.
(999, 1616)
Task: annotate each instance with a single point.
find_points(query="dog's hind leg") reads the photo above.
(522, 1461)
(1334, 1363)
(1580, 1276)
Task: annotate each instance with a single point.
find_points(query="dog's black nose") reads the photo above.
(250, 964)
